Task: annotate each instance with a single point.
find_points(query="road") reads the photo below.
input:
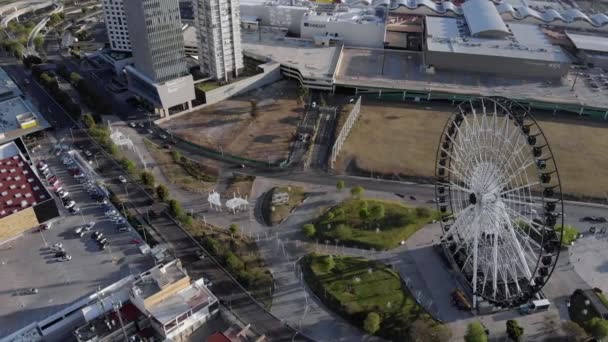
(184, 247)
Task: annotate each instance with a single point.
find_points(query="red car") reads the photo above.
(74, 171)
(52, 179)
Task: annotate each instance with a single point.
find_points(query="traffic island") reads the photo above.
(279, 202)
(370, 224)
(371, 296)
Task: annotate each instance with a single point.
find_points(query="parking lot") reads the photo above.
(30, 261)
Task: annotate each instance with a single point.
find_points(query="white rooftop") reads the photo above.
(354, 15)
(9, 110)
(483, 19)
(189, 298)
(589, 43)
(526, 42)
(8, 88)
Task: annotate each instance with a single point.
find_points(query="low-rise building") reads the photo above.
(24, 201)
(360, 27)
(174, 304)
(591, 49)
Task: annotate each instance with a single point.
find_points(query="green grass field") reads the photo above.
(353, 287)
(345, 223)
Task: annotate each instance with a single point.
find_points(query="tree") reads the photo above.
(426, 330)
(377, 212)
(162, 192)
(328, 263)
(233, 262)
(309, 230)
(357, 191)
(175, 208)
(371, 323)
(75, 78)
(128, 165)
(88, 120)
(363, 214)
(177, 156)
(597, 327)
(38, 41)
(475, 333)
(233, 229)
(254, 108)
(343, 232)
(514, 331)
(147, 178)
(573, 331)
(340, 185)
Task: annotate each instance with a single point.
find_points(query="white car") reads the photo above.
(132, 124)
(89, 225)
(70, 204)
(122, 179)
(63, 194)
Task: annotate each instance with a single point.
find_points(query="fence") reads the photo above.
(348, 125)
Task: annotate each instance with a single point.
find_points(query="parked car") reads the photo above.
(88, 153)
(70, 204)
(89, 225)
(74, 210)
(29, 291)
(66, 257)
(122, 179)
(63, 194)
(45, 226)
(150, 131)
(132, 124)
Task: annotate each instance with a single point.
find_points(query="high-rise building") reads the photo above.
(116, 25)
(219, 37)
(160, 73)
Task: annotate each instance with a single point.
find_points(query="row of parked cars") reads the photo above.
(57, 186)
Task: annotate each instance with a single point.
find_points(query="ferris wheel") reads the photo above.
(499, 196)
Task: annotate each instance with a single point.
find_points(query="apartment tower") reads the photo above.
(219, 37)
(116, 25)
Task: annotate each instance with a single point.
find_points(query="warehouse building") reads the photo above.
(24, 201)
(590, 49)
(482, 42)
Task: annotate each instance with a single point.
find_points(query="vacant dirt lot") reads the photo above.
(230, 126)
(401, 140)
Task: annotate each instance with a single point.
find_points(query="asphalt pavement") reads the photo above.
(184, 247)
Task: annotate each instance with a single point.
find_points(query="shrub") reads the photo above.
(309, 230)
(162, 192)
(514, 331)
(128, 165)
(371, 323)
(233, 262)
(175, 208)
(377, 212)
(328, 263)
(340, 185)
(233, 229)
(176, 155)
(423, 212)
(343, 232)
(147, 178)
(475, 333)
(88, 120)
(597, 327)
(357, 191)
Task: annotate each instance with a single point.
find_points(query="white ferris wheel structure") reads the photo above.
(499, 195)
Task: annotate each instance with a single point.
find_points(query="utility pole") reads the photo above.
(122, 325)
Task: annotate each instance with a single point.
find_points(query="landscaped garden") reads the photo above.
(239, 255)
(583, 312)
(369, 223)
(274, 210)
(371, 296)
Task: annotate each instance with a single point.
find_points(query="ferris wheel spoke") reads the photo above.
(521, 187)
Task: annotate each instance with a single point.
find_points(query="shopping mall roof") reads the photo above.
(589, 43)
(483, 19)
(20, 187)
(527, 41)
